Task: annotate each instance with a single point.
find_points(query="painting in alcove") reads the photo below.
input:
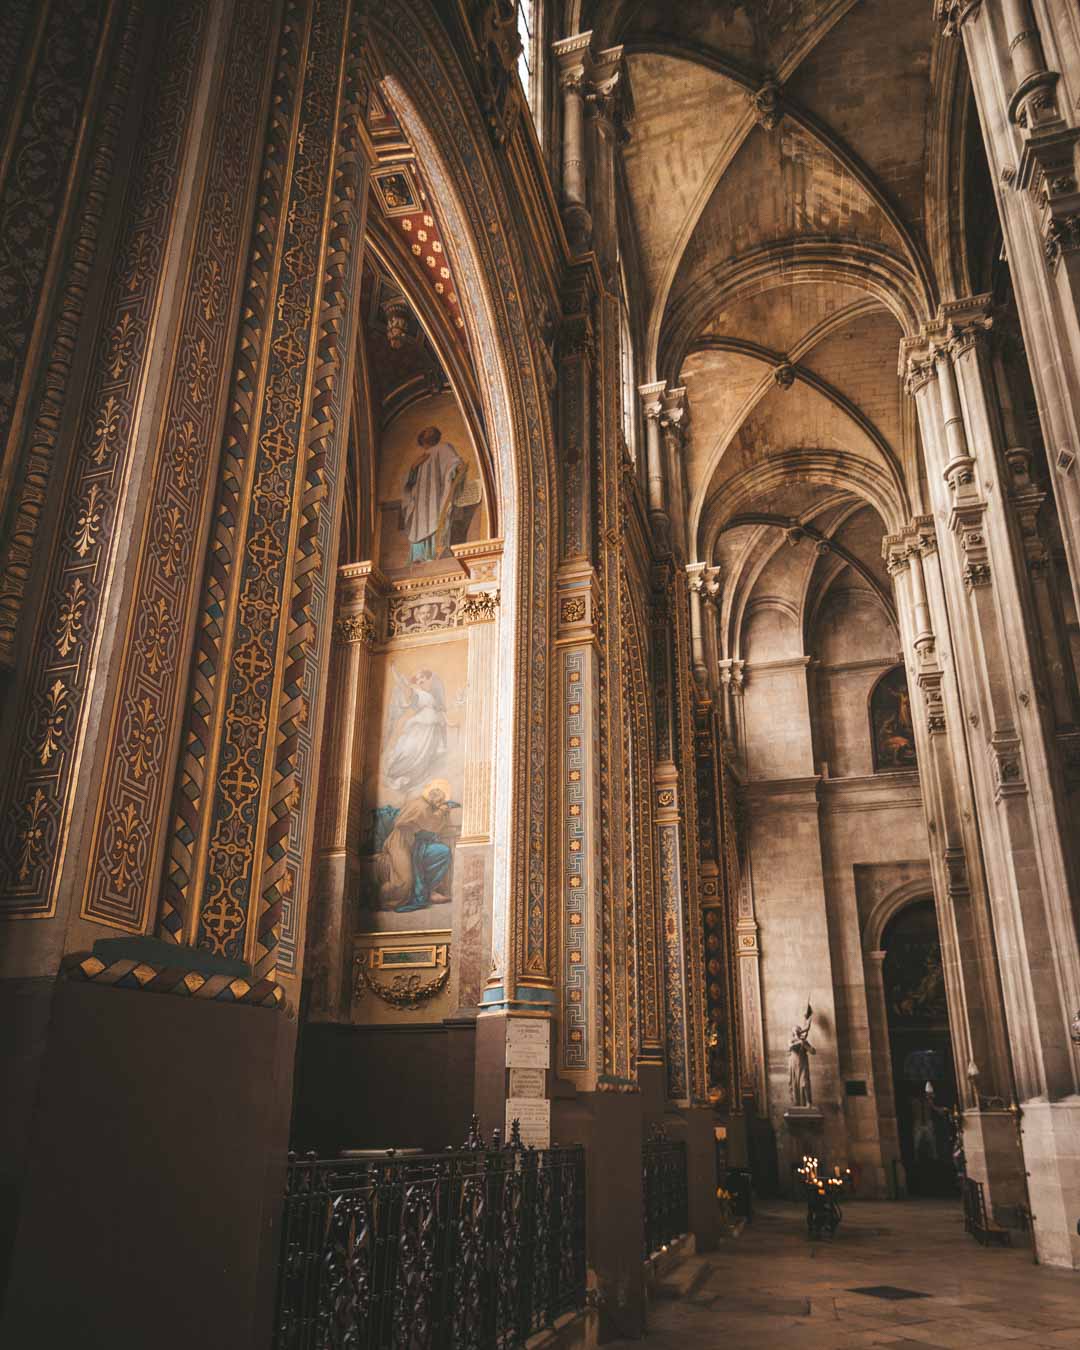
(414, 780)
(892, 734)
(430, 492)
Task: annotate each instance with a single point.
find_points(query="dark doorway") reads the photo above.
(924, 1079)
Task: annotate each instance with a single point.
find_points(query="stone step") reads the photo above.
(682, 1280)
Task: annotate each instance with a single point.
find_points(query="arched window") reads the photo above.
(527, 62)
(892, 736)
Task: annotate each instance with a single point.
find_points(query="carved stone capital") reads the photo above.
(652, 399)
(610, 98)
(894, 551)
(356, 628)
(703, 580)
(1062, 236)
(479, 607)
(951, 15)
(916, 364)
(675, 414)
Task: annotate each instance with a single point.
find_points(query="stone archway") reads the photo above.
(877, 922)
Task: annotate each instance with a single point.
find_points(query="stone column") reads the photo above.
(573, 60)
(881, 1060)
(1023, 823)
(961, 899)
(652, 404)
(480, 613)
(1032, 140)
(675, 428)
(703, 583)
(360, 606)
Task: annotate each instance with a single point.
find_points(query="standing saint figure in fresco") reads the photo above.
(799, 1052)
(415, 738)
(415, 857)
(428, 496)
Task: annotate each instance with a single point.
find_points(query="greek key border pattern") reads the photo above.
(635, 645)
(688, 830)
(54, 710)
(576, 1048)
(671, 886)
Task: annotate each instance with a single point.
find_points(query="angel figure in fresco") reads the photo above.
(415, 858)
(414, 742)
(428, 496)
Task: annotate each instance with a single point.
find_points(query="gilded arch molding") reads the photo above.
(436, 108)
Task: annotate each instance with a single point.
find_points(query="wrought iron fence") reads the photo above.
(663, 1166)
(464, 1250)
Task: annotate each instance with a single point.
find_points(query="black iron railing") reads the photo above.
(463, 1250)
(664, 1190)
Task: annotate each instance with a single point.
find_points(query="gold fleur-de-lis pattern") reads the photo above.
(57, 707)
(71, 616)
(38, 788)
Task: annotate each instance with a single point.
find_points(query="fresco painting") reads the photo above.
(430, 491)
(892, 734)
(414, 778)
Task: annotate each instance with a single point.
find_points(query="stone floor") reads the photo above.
(772, 1288)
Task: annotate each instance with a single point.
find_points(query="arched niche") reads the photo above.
(892, 735)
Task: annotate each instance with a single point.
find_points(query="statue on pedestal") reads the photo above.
(799, 1052)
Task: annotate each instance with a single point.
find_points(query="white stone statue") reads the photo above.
(799, 1052)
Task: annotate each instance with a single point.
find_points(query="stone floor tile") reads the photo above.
(772, 1288)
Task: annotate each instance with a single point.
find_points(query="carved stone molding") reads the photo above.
(768, 109)
(951, 15)
(1007, 762)
(976, 574)
(784, 375)
(956, 875)
(1062, 236)
(495, 35)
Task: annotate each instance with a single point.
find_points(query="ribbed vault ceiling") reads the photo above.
(798, 247)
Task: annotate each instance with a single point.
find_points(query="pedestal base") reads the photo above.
(155, 1175)
(1051, 1141)
(803, 1135)
(610, 1125)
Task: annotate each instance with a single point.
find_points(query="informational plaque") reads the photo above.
(527, 1082)
(528, 1043)
(533, 1115)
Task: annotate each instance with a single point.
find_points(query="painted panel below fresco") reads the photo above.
(414, 784)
